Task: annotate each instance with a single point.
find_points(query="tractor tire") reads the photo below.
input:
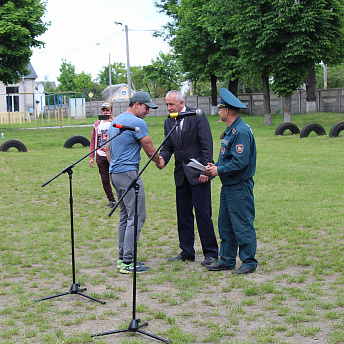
(76, 139)
(307, 129)
(13, 143)
(287, 126)
(336, 129)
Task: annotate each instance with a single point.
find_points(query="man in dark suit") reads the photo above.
(191, 139)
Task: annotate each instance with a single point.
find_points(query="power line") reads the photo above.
(88, 45)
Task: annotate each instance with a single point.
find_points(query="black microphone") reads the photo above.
(126, 127)
(197, 112)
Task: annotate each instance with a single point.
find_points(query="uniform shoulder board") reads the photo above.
(224, 142)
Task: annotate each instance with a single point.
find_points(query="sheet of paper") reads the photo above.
(195, 164)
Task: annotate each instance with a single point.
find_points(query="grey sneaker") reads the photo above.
(129, 268)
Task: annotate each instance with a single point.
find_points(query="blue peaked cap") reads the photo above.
(230, 101)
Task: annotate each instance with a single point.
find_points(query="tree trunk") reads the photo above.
(266, 96)
(311, 98)
(287, 107)
(214, 109)
(149, 91)
(213, 80)
(233, 86)
(195, 87)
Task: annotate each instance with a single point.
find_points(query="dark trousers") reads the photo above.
(103, 166)
(198, 197)
(236, 227)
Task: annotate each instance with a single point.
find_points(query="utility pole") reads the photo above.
(110, 77)
(128, 63)
(325, 76)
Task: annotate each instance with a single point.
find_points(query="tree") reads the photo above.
(67, 77)
(83, 81)
(305, 32)
(72, 82)
(118, 74)
(252, 21)
(285, 39)
(137, 75)
(20, 25)
(162, 75)
(198, 47)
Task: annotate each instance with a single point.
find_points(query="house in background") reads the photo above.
(117, 93)
(25, 96)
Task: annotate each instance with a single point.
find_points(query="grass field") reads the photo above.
(295, 296)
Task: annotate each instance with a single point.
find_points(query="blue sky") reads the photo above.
(83, 33)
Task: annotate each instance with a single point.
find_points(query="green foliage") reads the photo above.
(83, 81)
(67, 77)
(162, 75)
(335, 76)
(70, 81)
(308, 32)
(118, 74)
(285, 38)
(96, 90)
(137, 75)
(199, 39)
(282, 39)
(20, 24)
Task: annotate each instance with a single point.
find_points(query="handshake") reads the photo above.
(161, 164)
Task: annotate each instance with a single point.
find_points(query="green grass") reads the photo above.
(295, 296)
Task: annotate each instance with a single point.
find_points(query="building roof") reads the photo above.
(114, 89)
(32, 74)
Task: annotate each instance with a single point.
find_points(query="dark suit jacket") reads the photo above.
(196, 142)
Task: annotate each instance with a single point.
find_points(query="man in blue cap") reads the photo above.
(236, 167)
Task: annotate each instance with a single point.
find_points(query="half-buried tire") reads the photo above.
(287, 126)
(307, 129)
(76, 139)
(13, 144)
(336, 129)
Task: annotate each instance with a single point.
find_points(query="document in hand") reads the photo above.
(195, 164)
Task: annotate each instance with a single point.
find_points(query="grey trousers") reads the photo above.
(121, 181)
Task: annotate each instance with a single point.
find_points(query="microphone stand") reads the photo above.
(74, 289)
(134, 324)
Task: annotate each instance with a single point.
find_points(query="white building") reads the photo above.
(25, 96)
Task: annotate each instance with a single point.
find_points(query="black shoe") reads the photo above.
(218, 267)
(209, 261)
(243, 271)
(111, 204)
(183, 258)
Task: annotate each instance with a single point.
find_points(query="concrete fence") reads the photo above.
(329, 100)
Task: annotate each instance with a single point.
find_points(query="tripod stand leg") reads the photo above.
(154, 336)
(51, 297)
(74, 289)
(110, 332)
(133, 327)
(92, 298)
